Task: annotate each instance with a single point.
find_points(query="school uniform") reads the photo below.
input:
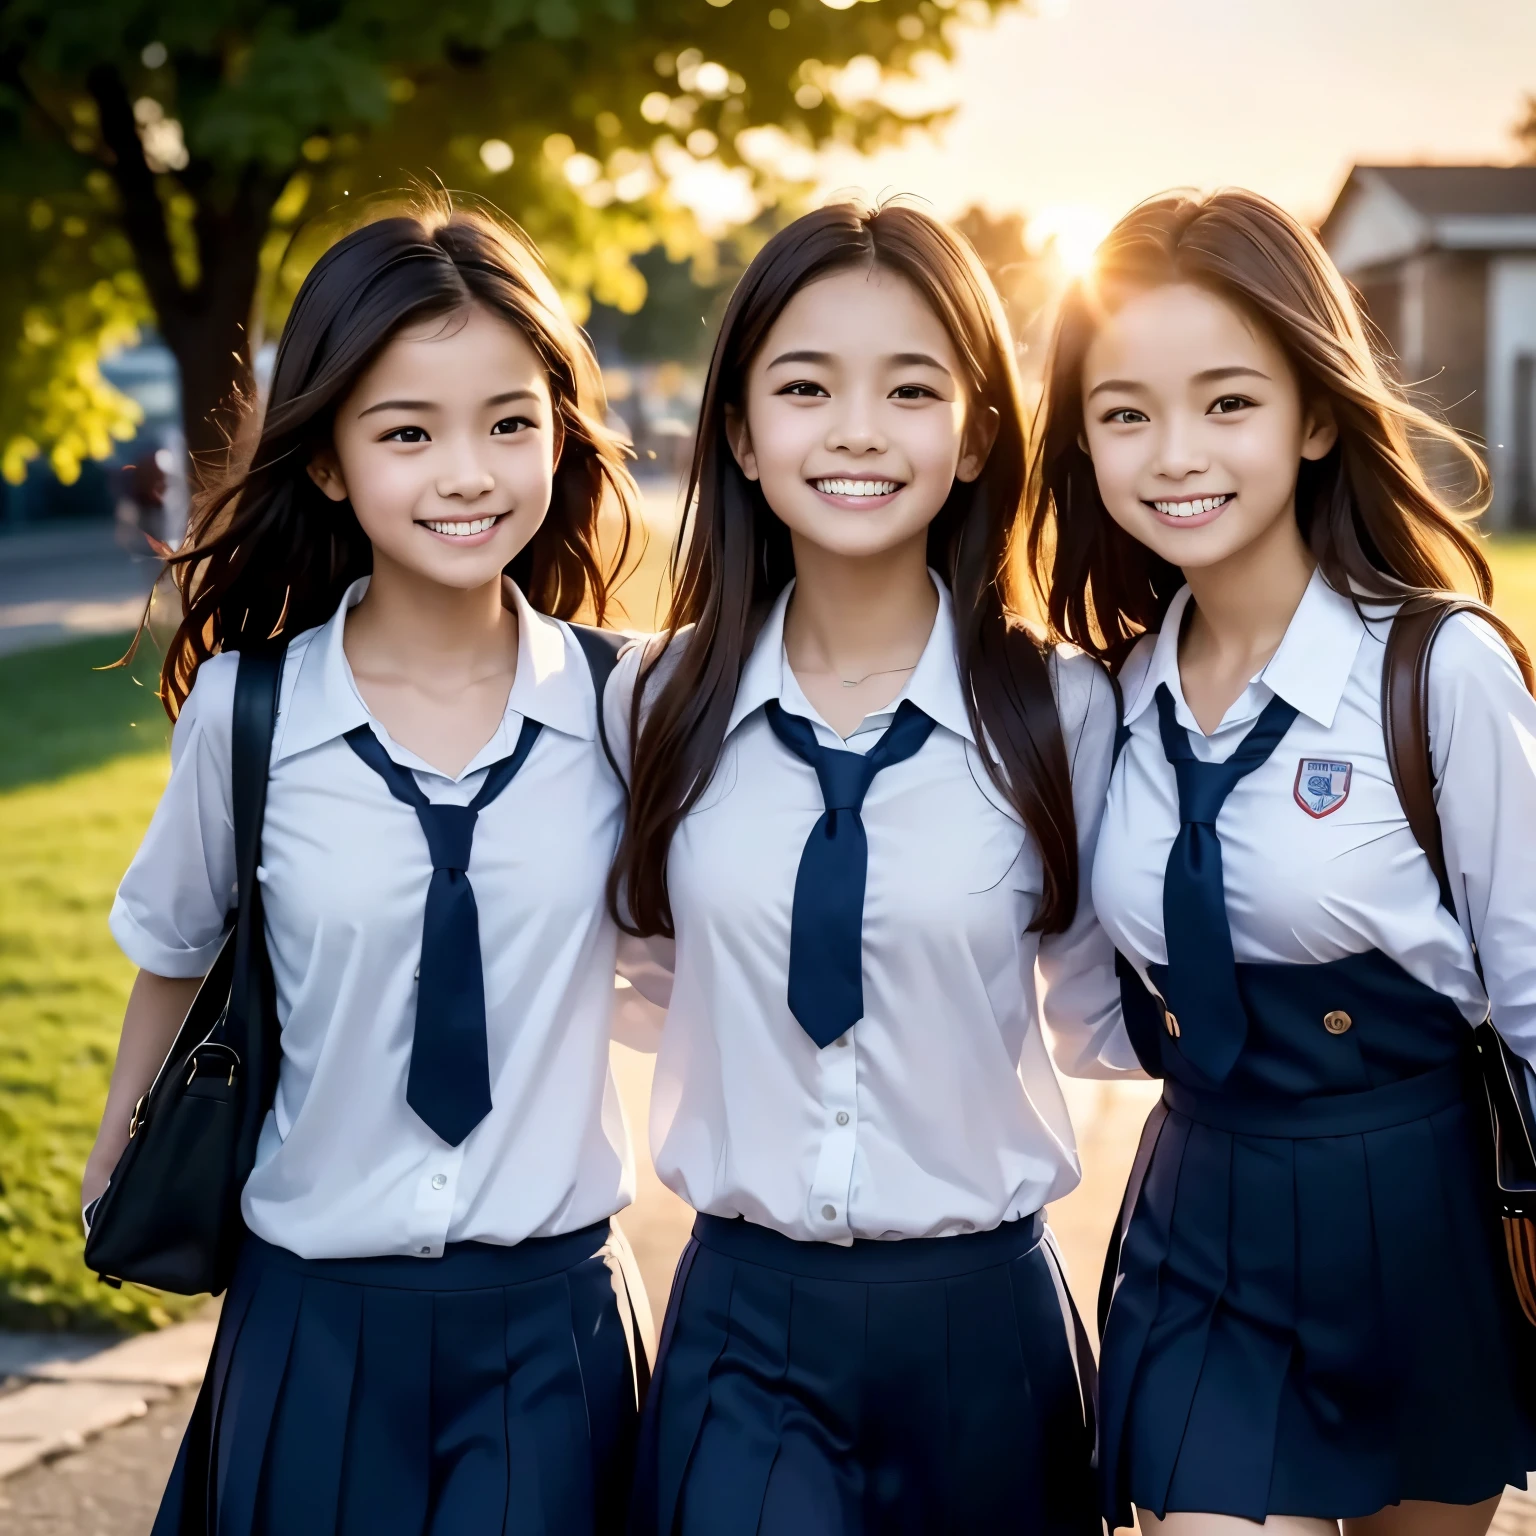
(431, 1326)
(869, 1331)
(1312, 1313)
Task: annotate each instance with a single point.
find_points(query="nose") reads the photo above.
(463, 476)
(857, 428)
(1180, 452)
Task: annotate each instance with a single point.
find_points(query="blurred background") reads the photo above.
(169, 171)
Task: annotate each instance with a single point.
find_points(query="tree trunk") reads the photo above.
(205, 325)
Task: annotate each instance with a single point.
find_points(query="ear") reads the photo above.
(1322, 431)
(325, 470)
(1082, 442)
(980, 436)
(740, 439)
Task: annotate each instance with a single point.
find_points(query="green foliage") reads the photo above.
(185, 137)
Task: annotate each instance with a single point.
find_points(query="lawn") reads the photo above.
(82, 760)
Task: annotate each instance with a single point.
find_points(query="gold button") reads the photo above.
(1171, 1022)
(1336, 1021)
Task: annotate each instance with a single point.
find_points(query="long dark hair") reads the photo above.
(1368, 509)
(734, 557)
(268, 556)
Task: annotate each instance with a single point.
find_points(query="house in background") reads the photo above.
(1445, 259)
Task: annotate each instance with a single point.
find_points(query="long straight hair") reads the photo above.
(1368, 509)
(734, 557)
(268, 556)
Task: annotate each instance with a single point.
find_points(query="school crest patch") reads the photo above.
(1322, 786)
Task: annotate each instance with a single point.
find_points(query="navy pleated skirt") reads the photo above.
(493, 1390)
(1312, 1312)
(920, 1386)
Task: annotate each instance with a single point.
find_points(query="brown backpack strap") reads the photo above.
(1405, 720)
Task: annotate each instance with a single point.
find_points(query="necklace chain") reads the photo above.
(853, 682)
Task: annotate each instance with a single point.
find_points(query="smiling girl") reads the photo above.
(422, 1334)
(862, 797)
(1311, 1317)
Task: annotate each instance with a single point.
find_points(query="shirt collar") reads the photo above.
(934, 686)
(550, 685)
(1309, 670)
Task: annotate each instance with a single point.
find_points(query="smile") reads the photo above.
(856, 490)
(465, 528)
(1192, 506)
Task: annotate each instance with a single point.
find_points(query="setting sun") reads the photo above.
(1072, 231)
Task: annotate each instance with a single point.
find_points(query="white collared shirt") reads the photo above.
(1314, 875)
(344, 1167)
(938, 1112)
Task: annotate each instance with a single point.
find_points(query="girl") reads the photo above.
(1311, 1317)
(858, 810)
(423, 1333)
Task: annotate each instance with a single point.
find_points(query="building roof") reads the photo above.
(1386, 212)
(1448, 191)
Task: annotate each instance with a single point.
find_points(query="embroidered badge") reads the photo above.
(1322, 786)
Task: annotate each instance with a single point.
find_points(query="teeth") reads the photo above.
(1191, 508)
(463, 530)
(857, 487)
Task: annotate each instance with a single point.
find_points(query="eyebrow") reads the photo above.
(1208, 376)
(432, 405)
(899, 359)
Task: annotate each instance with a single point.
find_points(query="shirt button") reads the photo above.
(842, 1117)
(830, 1212)
(842, 1039)
(1336, 1021)
(439, 1180)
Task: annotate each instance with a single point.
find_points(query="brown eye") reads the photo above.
(406, 435)
(1230, 403)
(805, 388)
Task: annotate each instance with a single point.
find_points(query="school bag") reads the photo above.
(1511, 1143)
(170, 1216)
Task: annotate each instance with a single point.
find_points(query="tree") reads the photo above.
(179, 162)
(1028, 281)
(1525, 130)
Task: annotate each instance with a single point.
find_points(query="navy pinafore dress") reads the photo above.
(1311, 1312)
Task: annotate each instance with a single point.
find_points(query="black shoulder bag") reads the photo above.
(170, 1216)
(1511, 1118)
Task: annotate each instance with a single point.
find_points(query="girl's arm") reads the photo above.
(1482, 729)
(171, 910)
(1079, 993)
(156, 1007)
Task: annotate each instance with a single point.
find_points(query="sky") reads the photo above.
(1082, 109)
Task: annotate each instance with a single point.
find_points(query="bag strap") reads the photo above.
(601, 647)
(1405, 721)
(255, 720)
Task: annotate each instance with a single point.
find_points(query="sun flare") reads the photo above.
(1072, 231)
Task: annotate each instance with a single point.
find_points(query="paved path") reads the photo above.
(66, 580)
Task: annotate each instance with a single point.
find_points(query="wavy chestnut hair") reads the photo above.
(267, 555)
(1368, 510)
(734, 557)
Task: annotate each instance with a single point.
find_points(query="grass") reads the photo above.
(82, 763)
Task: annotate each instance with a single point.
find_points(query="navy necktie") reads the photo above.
(449, 1084)
(1200, 987)
(826, 928)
